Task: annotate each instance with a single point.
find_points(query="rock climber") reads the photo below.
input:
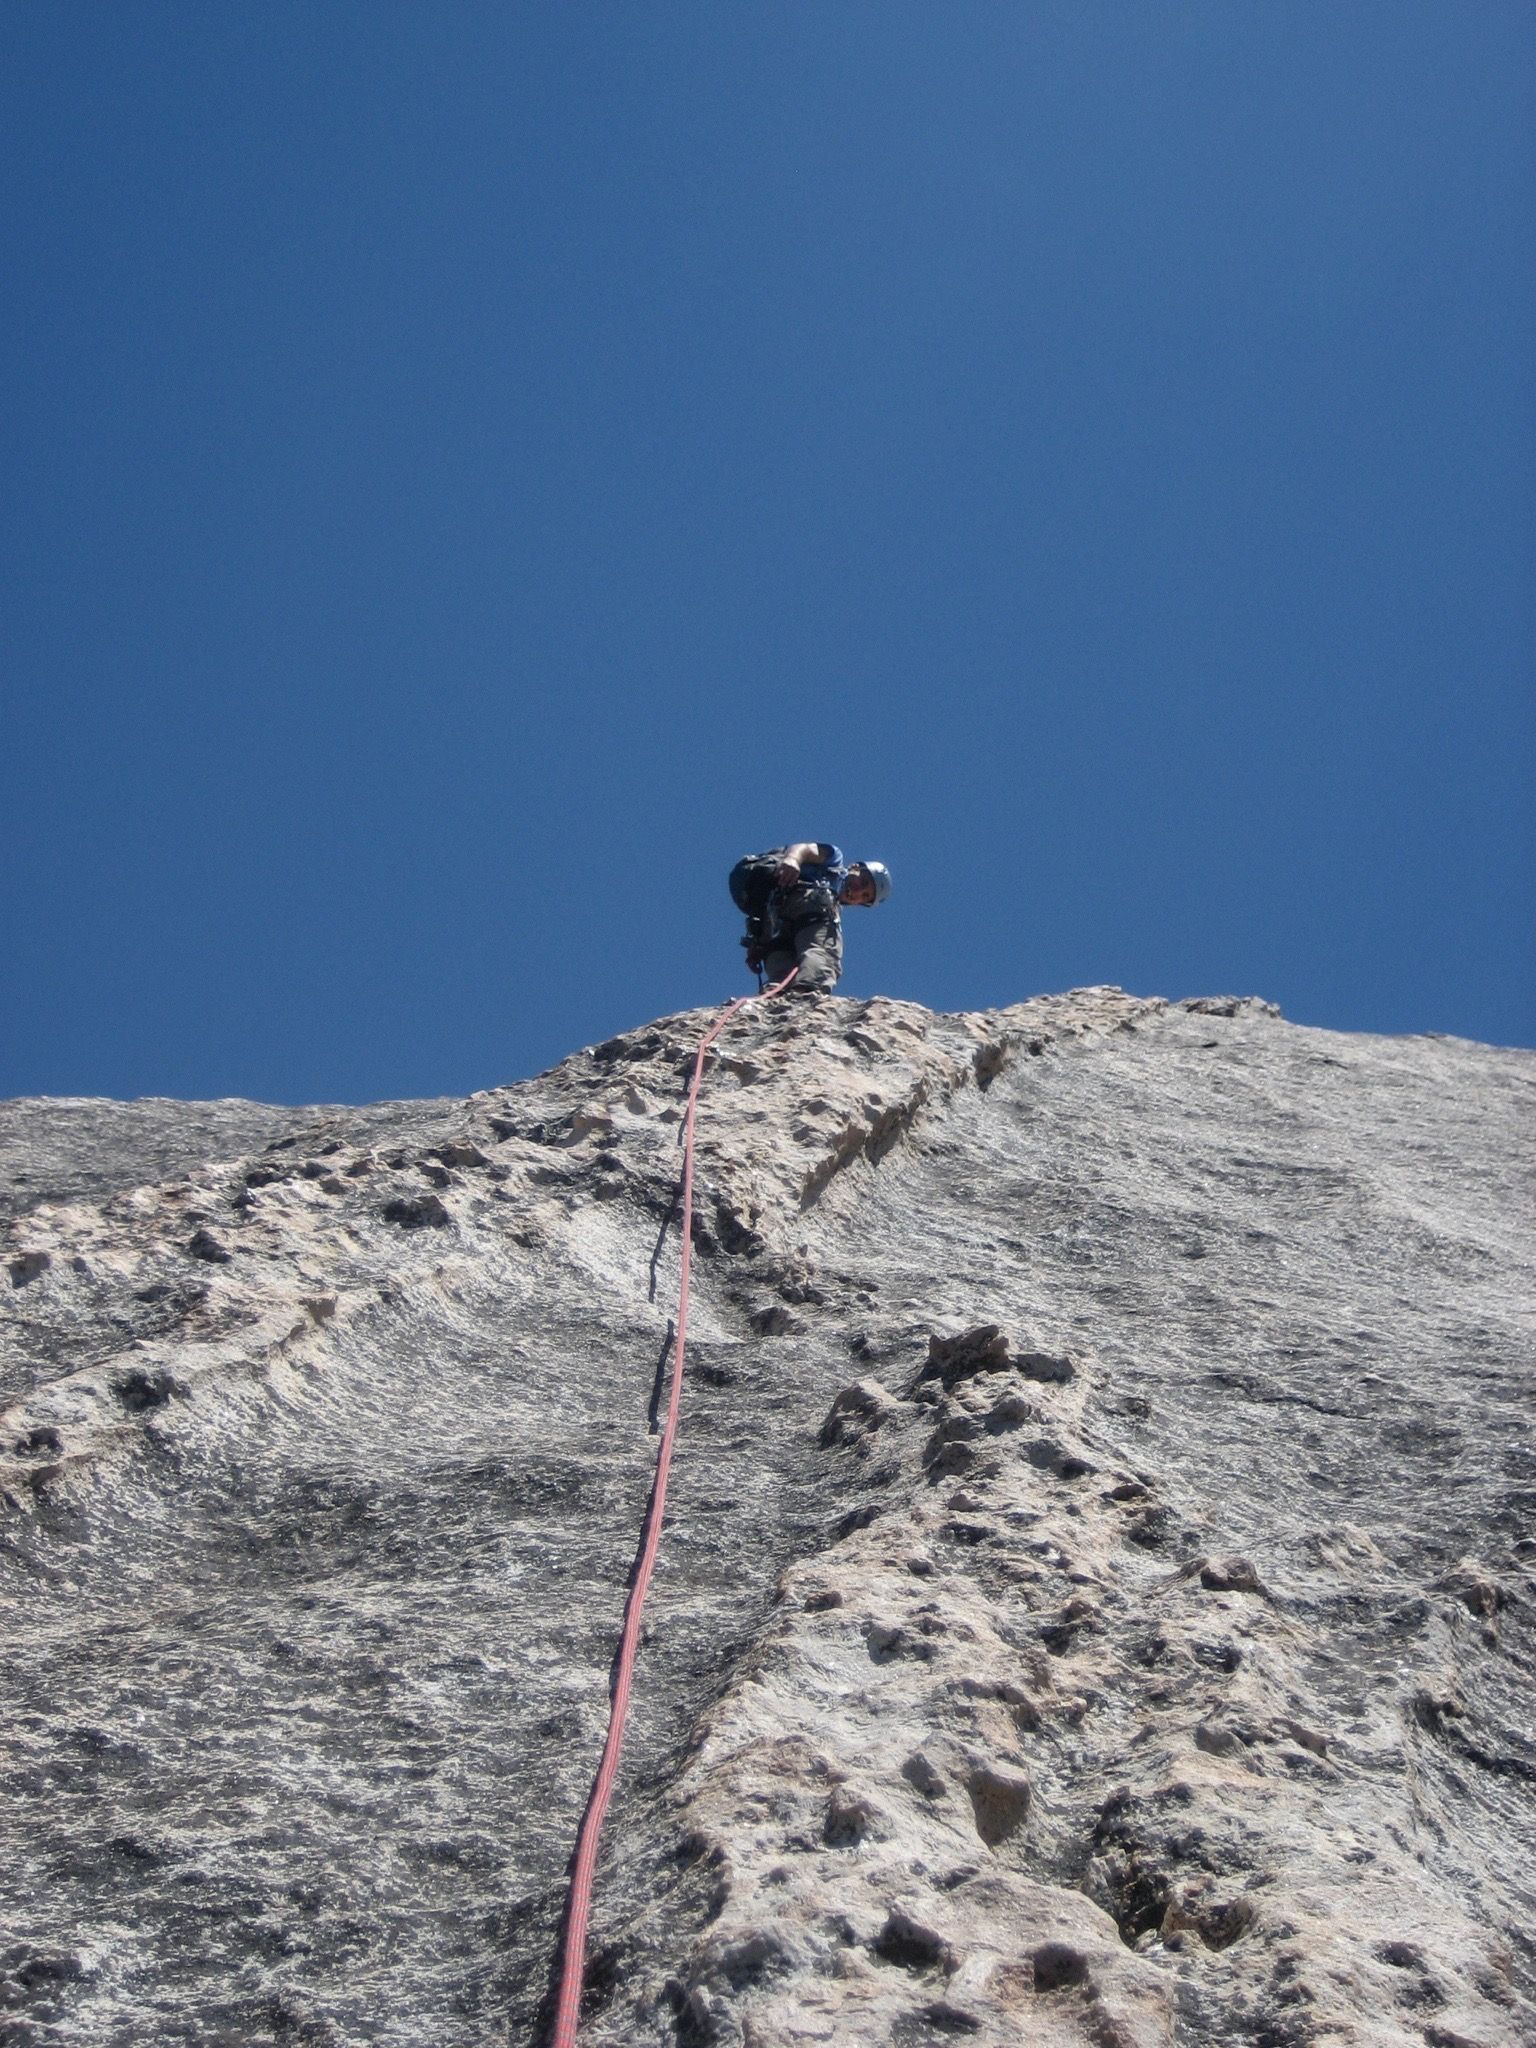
(790, 896)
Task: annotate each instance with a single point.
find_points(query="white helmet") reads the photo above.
(879, 874)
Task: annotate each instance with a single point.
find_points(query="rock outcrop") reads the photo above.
(1096, 1605)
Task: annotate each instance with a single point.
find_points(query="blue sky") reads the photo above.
(477, 468)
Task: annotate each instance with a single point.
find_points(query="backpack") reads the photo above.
(752, 881)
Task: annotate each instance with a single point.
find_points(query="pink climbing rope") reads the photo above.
(579, 1906)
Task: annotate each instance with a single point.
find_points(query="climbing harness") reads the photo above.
(579, 1905)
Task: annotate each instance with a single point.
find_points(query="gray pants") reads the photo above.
(816, 949)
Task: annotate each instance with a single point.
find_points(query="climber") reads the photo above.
(790, 895)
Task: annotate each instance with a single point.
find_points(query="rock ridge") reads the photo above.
(1096, 1605)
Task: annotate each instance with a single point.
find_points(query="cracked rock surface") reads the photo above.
(1096, 1601)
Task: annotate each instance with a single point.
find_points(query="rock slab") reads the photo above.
(1096, 1605)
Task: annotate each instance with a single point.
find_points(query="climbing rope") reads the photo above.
(579, 1905)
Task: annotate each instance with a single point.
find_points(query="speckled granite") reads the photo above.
(1096, 1604)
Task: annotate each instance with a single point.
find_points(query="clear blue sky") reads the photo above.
(475, 468)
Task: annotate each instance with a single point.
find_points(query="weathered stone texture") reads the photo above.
(1096, 1606)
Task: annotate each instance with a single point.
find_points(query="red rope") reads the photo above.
(579, 1909)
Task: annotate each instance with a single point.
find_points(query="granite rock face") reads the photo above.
(1097, 1598)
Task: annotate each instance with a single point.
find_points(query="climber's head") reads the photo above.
(867, 882)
